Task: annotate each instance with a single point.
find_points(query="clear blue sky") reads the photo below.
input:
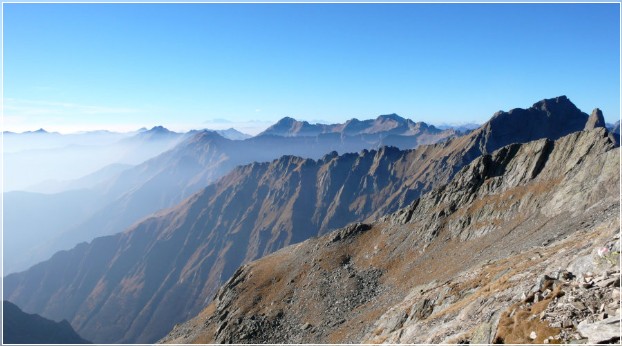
(75, 67)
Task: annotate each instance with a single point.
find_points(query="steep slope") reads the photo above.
(19, 327)
(166, 180)
(137, 278)
(447, 267)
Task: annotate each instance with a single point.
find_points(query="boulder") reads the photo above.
(601, 331)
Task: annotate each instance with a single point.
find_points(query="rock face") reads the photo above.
(21, 328)
(463, 263)
(166, 268)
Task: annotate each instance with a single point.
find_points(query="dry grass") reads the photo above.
(516, 328)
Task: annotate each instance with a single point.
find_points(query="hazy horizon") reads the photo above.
(222, 124)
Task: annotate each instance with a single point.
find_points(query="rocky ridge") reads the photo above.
(382, 126)
(200, 159)
(463, 263)
(164, 269)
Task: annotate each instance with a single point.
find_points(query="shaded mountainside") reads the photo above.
(19, 327)
(453, 266)
(202, 158)
(166, 268)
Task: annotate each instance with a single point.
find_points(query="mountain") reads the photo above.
(21, 328)
(290, 127)
(505, 237)
(68, 157)
(200, 159)
(383, 125)
(42, 139)
(463, 128)
(233, 134)
(138, 278)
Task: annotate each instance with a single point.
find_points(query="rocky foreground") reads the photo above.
(522, 246)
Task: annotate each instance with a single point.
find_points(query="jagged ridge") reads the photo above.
(412, 271)
(139, 278)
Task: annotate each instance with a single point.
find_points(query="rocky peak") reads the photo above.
(291, 127)
(159, 129)
(392, 117)
(548, 118)
(595, 120)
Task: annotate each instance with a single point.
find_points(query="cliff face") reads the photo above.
(134, 286)
(453, 266)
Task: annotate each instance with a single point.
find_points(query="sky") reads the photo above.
(77, 67)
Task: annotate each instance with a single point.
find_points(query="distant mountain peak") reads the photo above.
(159, 129)
(392, 116)
(286, 120)
(288, 126)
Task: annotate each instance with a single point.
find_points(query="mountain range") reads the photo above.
(452, 267)
(200, 158)
(166, 268)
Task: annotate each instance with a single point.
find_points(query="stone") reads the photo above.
(483, 334)
(601, 331)
(578, 305)
(533, 335)
(615, 281)
(567, 323)
(615, 294)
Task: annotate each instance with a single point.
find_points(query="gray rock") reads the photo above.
(483, 334)
(601, 331)
(609, 282)
(595, 120)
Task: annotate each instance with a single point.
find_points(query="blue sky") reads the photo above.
(71, 67)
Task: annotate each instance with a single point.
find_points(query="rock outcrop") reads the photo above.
(595, 120)
(463, 263)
